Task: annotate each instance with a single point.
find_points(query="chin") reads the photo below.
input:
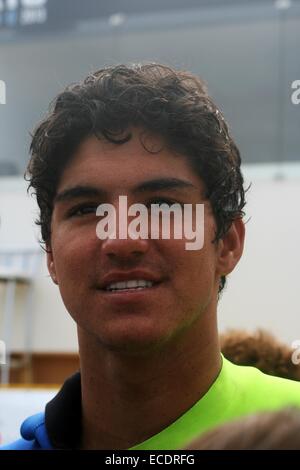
(133, 342)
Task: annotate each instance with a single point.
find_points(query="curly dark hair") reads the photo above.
(108, 103)
(262, 350)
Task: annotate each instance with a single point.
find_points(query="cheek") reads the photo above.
(73, 268)
(194, 271)
(73, 257)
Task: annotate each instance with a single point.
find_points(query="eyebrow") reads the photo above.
(158, 184)
(163, 184)
(77, 192)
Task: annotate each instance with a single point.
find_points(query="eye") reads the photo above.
(163, 200)
(83, 209)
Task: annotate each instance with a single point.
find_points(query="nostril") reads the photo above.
(125, 247)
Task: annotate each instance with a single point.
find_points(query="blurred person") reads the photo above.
(151, 372)
(277, 430)
(262, 350)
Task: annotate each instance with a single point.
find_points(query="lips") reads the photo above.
(134, 284)
(143, 279)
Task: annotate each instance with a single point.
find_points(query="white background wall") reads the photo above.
(52, 327)
(261, 292)
(16, 406)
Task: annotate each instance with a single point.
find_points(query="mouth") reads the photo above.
(121, 287)
(132, 285)
(135, 290)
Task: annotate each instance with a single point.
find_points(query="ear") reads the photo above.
(231, 247)
(51, 263)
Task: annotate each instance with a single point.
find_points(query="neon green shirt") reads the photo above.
(237, 391)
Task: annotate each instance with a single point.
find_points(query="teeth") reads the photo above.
(133, 284)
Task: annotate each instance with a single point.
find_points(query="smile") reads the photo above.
(129, 285)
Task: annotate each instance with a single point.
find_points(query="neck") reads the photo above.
(127, 399)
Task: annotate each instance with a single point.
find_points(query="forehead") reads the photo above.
(122, 166)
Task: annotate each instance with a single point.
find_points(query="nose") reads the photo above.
(123, 242)
(124, 249)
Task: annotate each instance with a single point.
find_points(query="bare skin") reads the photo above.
(144, 395)
(146, 358)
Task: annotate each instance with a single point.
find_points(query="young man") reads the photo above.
(151, 375)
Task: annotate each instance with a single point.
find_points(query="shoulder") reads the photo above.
(265, 391)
